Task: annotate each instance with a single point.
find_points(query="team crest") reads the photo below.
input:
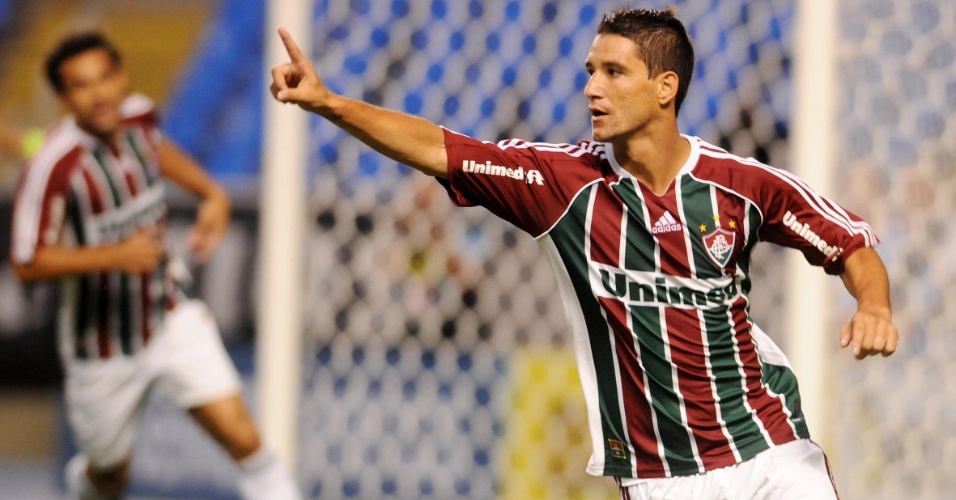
(720, 245)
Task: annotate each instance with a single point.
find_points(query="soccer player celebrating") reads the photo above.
(90, 213)
(649, 233)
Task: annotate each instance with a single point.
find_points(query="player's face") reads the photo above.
(622, 98)
(94, 89)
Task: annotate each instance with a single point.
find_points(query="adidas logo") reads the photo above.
(666, 224)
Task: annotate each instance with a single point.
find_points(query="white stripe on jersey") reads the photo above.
(813, 199)
(135, 142)
(82, 197)
(136, 105)
(26, 226)
(567, 208)
(92, 166)
(568, 149)
(581, 344)
(827, 205)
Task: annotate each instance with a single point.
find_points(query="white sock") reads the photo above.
(78, 485)
(262, 476)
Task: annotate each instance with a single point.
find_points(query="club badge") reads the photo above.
(720, 245)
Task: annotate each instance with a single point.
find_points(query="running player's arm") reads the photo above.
(212, 219)
(404, 138)
(840, 241)
(870, 330)
(40, 219)
(138, 254)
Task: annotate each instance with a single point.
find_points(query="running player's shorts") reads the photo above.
(795, 470)
(185, 360)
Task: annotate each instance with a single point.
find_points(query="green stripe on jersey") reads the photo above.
(652, 350)
(639, 244)
(569, 238)
(83, 295)
(730, 384)
(126, 315)
(781, 380)
(697, 203)
(117, 200)
(752, 222)
(140, 157)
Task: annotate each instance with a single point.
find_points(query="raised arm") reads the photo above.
(408, 139)
(870, 330)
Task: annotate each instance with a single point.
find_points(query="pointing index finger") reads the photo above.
(291, 47)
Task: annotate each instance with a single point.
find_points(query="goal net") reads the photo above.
(894, 419)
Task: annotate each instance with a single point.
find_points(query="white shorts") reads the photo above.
(185, 360)
(795, 470)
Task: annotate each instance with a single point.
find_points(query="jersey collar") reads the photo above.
(692, 158)
(85, 139)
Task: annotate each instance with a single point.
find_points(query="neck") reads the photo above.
(653, 156)
(107, 138)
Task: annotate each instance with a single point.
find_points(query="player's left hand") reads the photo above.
(212, 222)
(870, 333)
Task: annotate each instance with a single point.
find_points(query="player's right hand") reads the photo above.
(296, 81)
(140, 253)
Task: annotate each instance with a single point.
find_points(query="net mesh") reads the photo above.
(895, 418)
(438, 363)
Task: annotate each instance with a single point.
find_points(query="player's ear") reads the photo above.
(667, 83)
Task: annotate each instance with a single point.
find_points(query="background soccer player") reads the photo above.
(649, 233)
(90, 213)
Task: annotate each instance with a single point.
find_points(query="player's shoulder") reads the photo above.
(585, 156)
(136, 105)
(61, 143)
(61, 153)
(579, 150)
(719, 165)
(138, 110)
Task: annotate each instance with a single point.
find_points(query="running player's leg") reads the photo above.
(104, 400)
(228, 422)
(85, 483)
(262, 475)
(198, 375)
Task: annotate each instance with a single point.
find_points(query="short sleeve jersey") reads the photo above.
(655, 289)
(78, 191)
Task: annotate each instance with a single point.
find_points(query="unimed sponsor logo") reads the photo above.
(803, 230)
(619, 284)
(519, 174)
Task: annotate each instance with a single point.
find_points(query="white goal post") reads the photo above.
(812, 148)
(282, 230)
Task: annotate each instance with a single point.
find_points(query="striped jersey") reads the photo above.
(81, 192)
(677, 378)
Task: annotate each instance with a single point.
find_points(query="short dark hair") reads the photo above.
(662, 42)
(72, 46)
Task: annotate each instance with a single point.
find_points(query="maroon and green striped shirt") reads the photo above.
(79, 191)
(677, 378)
